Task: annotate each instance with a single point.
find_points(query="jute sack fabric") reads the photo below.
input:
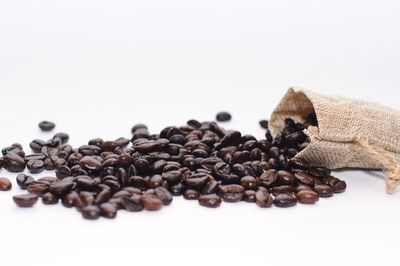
(350, 133)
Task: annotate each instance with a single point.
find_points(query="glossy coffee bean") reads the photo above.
(191, 194)
(164, 195)
(49, 198)
(263, 199)
(108, 210)
(223, 116)
(268, 178)
(132, 204)
(25, 200)
(249, 196)
(324, 191)
(35, 166)
(307, 197)
(304, 178)
(210, 201)
(14, 163)
(5, 184)
(285, 200)
(47, 125)
(249, 182)
(91, 212)
(24, 180)
(151, 203)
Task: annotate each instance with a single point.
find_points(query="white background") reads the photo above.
(98, 67)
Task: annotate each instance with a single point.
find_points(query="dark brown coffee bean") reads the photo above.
(164, 195)
(197, 181)
(307, 197)
(71, 200)
(47, 125)
(35, 166)
(24, 180)
(210, 188)
(263, 199)
(138, 126)
(5, 184)
(285, 200)
(339, 187)
(90, 163)
(49, 198)
(230, 138)
(91, 212)
(151, 203)
(86, 182)
(268, 178)
(25, 200)
(13, 163)
(172, 177)
(249, 196)
(286, 178)
(108, 210)
(132, 204)
(304, 178)
(223, 116)
(264, 124)
(191, 194)
(210, 201)
(282, 190)
(324, 191)
(62, 187)
(38, 187)
(249, 182)
(232, 193)
(109, 146)
(155, 181)
(87, 198)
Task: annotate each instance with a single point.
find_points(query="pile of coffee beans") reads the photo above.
(200, 161)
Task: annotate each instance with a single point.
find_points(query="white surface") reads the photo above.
(98, 67)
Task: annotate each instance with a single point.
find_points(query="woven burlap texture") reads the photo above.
(342, 122)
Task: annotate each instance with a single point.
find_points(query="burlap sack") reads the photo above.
(350, 133)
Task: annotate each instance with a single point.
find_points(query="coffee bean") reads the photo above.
(24, 180)
(14, 163)
(324, 191)
(210, 201)
(286, 178)
(282, 190)
(164, 195)
(304, 178)
(264, 124)
(151, 203)
(108, 210)
(62, 187)
(38, 187)
(211, 187)
(232, 193)
(90, 163)
(268, 177)
(5, 184)
(307, 197)
(191, 194)
(91, 212)
(285, 200)
(230, 139)
(47, 125)
(25, 200)
(249, 196)
(263, 199)
(223, 116)
(249, 182)
(49, 198)
(132, 204)
(35, 166)
(339, 187)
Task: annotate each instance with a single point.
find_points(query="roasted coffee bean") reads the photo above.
(307, 196)
(285, 200)
(223, 116)
(197, 181)
(249, 182)
(25, 200)
(91, 212)
(304, 178)
(164, 195)
(47, 125)
(210, 188)
(249, 196)
(38, 187)
(14, 163)
(5, 184)
(268, 178)
(264, 124)
(90, 163)
(62, 187)
(132, 204)
(24, 180)
(230, 138)
(151, 203)
(35, 166)
(339, 187)
(282, 190)
(138, 126)
(49, 198)
(87, 198)
(324, 191)
(108, 210)
(172, 177)
(210, 201)
(286, 178)
(263, 199)
(37, 145)
(232, 193)
(191, 194)
(71, 200)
